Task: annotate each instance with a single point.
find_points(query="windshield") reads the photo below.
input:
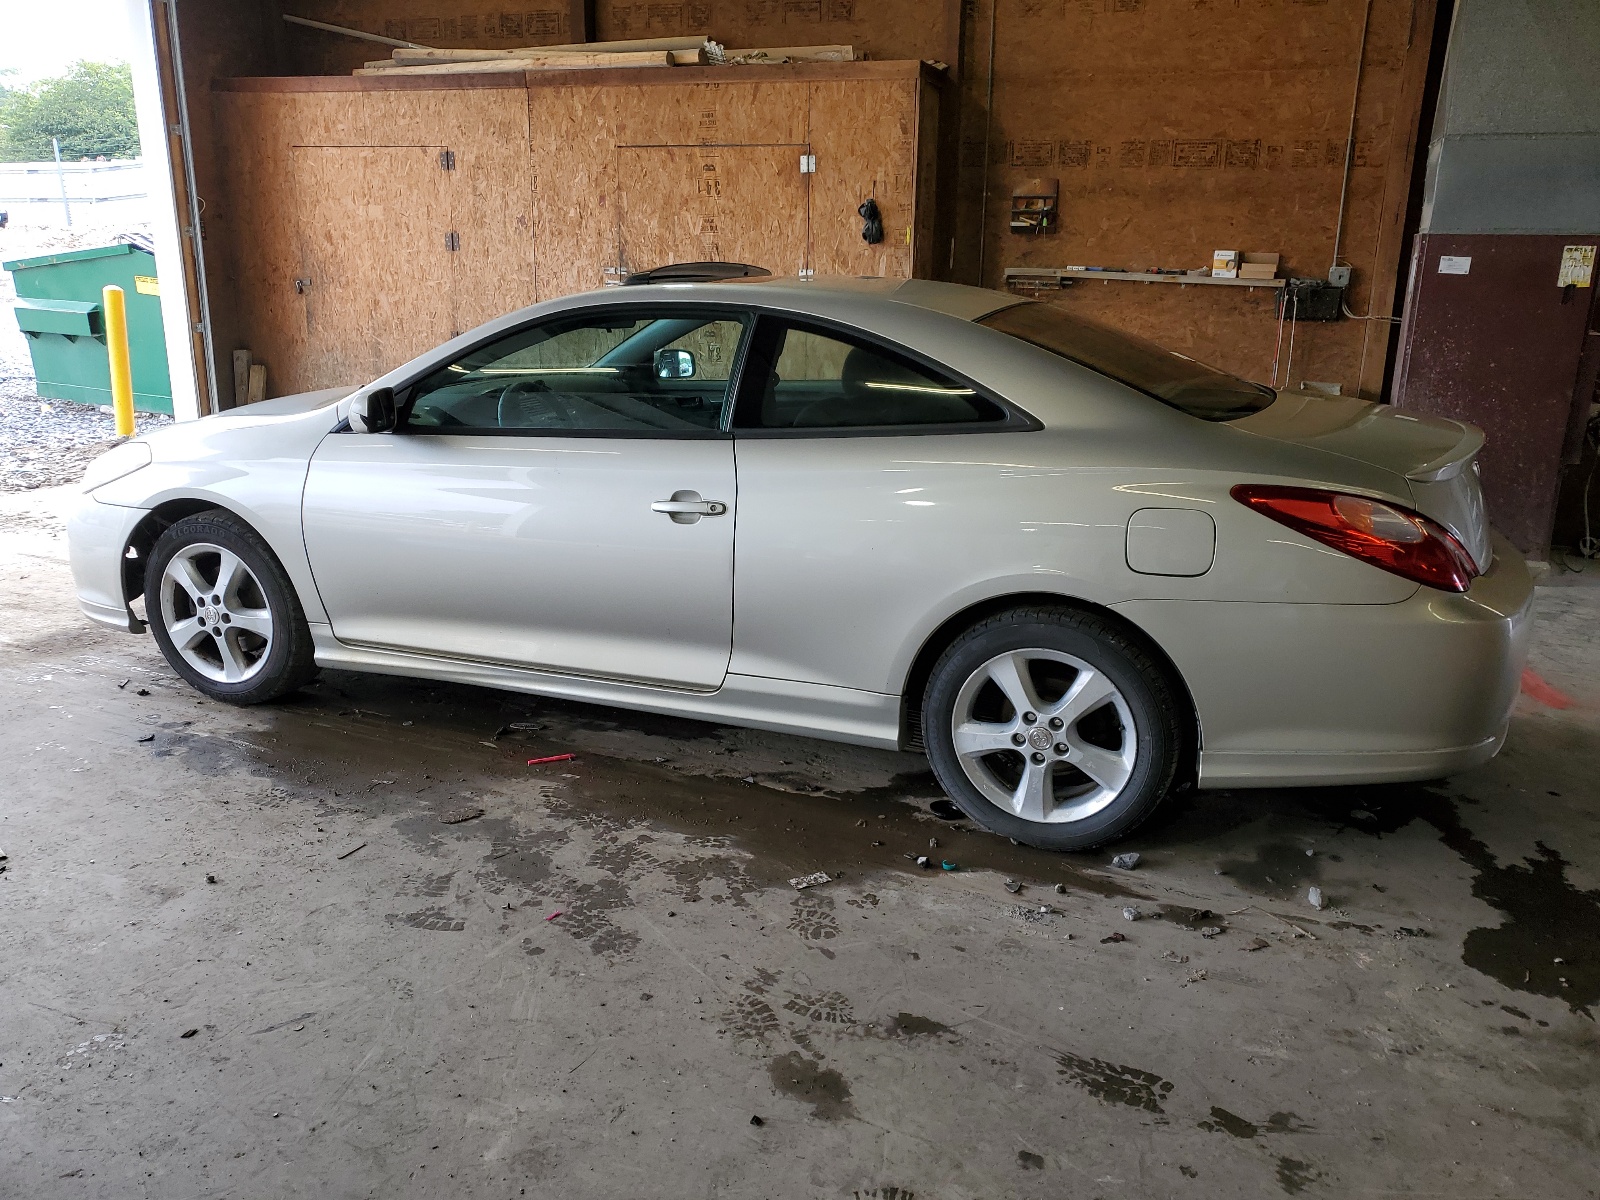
(1170, 377)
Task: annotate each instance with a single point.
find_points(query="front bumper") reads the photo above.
(97, 538)
(1309, 694)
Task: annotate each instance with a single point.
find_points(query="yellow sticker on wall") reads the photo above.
(1577, 266)
(147, 285)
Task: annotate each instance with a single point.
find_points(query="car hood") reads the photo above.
(286, 425)
(282, 406)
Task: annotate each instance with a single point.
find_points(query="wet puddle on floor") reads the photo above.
(344, 740)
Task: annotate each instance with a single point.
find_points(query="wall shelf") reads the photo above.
(1059, 276)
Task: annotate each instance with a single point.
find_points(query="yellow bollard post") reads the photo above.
(116, 314)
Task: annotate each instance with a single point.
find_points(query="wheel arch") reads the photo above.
(940, 640)
(136, 554)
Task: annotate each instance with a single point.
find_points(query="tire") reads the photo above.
(1083, 782)
(251, 646)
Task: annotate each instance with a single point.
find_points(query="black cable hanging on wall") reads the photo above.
(872, 222)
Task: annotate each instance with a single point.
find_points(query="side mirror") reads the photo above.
(674, 364)
(374, 412)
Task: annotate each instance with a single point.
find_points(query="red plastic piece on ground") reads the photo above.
(1536, 688)
(534, 762)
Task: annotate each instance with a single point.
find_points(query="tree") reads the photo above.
(90, 109)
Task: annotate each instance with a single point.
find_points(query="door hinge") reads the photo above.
(300, 286)
(807, 273)
(447, 160)
(452, 241)
(808, 164)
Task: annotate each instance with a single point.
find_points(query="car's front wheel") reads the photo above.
(1054, 727)
(224, 612)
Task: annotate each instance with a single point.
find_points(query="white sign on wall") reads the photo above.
(1577, 266)
(1455, 264)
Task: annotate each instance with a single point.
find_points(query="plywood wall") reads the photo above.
(343, 190)
(1177, 128)
(355, 250)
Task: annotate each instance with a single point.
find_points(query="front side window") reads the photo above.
(650, 373)
(1170, 377)
(809, 379)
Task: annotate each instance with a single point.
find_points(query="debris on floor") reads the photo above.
(149, 737)
(1314, 897)
(518, 727)
(946, 810)
(1013, 886)
(1210, 931)
(801, 882)
(458, 815)
(947, 865)
(1061, 889)
(1126, 862)
(1131, 913)
(211, 878)
(1257, 944)
(188, 1033)
(553, 915)
(757, 1121)
(348, 853)
(1115, 937)
(551, 758)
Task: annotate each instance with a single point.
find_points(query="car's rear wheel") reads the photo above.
(224, 612)
(1054, 727)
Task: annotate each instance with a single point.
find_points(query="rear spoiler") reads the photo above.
(1451, 463)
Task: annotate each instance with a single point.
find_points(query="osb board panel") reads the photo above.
(712, 203)
(355, 207)
(1178, 130)
(451, 23)
(283, 196)
(574, 166)
(751, 112)
(864, 137)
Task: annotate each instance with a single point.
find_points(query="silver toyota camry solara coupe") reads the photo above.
(1075, 568)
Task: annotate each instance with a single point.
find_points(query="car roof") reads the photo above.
(952, 299)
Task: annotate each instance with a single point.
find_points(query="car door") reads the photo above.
(560, 497)
(869, 486)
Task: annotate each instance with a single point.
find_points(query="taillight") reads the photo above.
(1396, 539)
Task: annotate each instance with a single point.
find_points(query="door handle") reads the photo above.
(701, 508)
(685, 508)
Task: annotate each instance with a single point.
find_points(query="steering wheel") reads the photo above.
(530, 404)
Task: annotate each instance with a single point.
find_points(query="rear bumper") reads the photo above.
(1309, 694)
(97, 536)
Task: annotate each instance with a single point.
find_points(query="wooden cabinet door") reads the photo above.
(375, 260)
(713, 204)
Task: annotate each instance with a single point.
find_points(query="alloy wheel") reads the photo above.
(1044, 735)
(216, 613)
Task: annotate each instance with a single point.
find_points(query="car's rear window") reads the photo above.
(1170, 377)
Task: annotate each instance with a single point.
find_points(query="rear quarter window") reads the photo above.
(1172, 378)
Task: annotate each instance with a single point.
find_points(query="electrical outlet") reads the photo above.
(1339, 276)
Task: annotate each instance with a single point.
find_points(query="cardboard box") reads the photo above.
(1224, 264)
(1258, 266)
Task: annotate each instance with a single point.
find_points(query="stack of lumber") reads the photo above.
(410, 59)
(643, 52)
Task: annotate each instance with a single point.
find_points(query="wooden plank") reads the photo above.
(776, 55)
(425, 55)
(257, 388)
(241, 376)
(533, 62)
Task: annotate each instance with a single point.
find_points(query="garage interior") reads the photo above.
(262, 951)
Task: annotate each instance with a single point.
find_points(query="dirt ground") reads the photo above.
(247, 953)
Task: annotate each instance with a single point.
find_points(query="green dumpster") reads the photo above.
(58, 309)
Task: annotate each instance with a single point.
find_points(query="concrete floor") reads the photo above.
(243, 955)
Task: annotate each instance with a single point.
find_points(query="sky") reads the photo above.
(40, 38)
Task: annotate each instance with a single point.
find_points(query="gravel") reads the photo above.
(46, 442)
